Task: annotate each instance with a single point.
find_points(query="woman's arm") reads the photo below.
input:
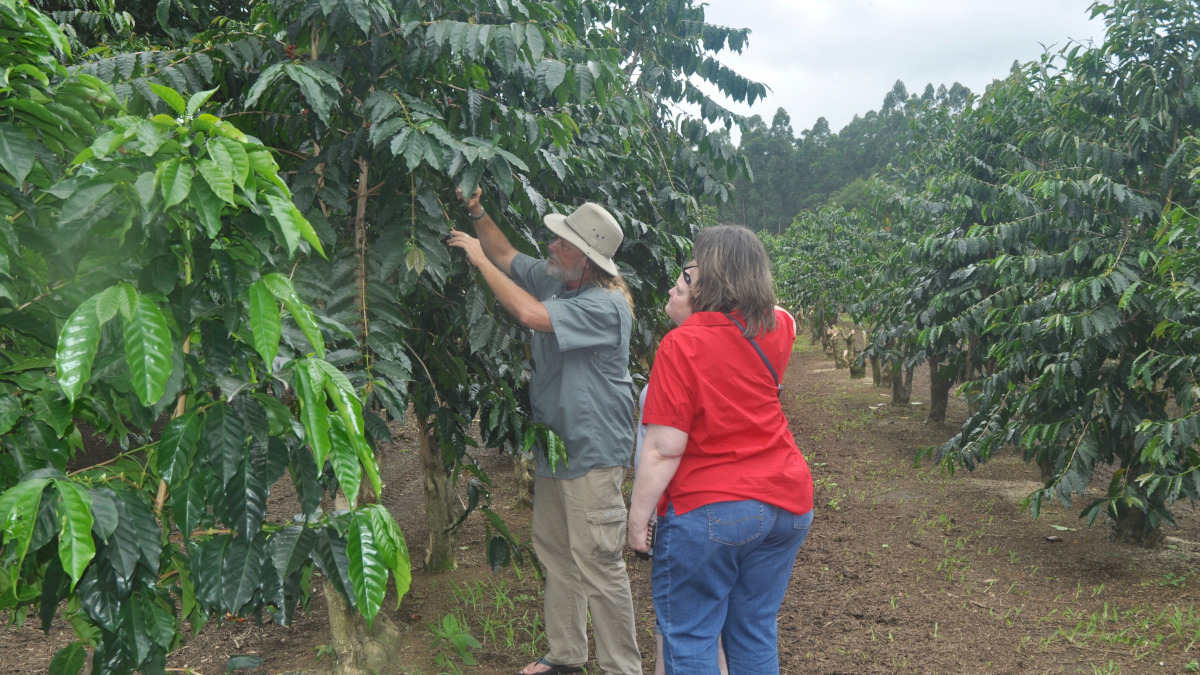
(660, 459)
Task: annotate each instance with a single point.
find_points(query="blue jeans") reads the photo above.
(722, 569)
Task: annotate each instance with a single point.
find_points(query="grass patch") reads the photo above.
(1140, 630)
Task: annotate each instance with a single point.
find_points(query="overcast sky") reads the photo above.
(838, 58)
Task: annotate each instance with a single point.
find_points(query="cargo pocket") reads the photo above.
(606, 532)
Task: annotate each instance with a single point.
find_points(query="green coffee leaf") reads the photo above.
(368, 573)
(314, 413)
(177, 449)
(174, 179)
(18, 513)
(344, 458)
(198, 99)
(148, 349)
(69, 660)
(219, 181)
(265, 324)
(170, 97)
(75, 546)
(77, 343)
(16, 152)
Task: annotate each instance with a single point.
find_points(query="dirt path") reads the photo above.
(906, 569)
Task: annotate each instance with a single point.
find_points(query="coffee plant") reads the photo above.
(1047, 265)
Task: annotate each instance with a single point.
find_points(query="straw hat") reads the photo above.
(593, 230)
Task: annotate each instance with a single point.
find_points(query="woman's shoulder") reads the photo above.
(695, 330)
(784, 316)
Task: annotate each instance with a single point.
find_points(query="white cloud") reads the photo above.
(839, 58)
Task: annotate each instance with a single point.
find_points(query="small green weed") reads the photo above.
(1172, 579)
(454, 634)
(1139, 630)
(323, 651)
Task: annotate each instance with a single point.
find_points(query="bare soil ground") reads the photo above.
(906, 569)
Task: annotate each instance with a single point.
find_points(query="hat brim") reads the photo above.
(557, 224)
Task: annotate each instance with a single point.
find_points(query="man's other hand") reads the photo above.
(472, 201)
(470, 245)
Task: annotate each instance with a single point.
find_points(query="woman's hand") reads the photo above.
(639, 537)
(470, 245)
(661, 453)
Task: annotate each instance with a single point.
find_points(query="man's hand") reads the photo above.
(472, 202)
(470, 245)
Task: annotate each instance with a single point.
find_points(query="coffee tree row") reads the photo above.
(137, 253)
(1044, 259)
(165, 292)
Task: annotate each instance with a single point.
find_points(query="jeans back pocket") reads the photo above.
(802, 521)
(735, 523)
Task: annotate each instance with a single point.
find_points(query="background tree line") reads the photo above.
(800, 173)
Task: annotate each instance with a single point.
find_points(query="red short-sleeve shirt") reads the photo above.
(709, 382)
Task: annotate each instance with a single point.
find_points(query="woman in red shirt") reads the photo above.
(733, 492)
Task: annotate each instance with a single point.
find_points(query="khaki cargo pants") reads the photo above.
(579, 536)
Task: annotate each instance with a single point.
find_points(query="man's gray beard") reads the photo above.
(556, 271)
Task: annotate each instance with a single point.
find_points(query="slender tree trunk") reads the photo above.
(841, 349)
(827, 332)
(359, 649)
(857, 370)
(939, 391)
(876, 372)
(974, 371)
(901, 384)
(524, 470)
(1045, 465)
(360, 248)
(441, 509)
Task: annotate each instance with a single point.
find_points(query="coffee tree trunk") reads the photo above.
(827, 338)
(841, 352)
(360, 248)
(876, 372)
(858, 370)
(974, 369)
(360, 649)
(441, 509)
(939, 391)
(524, 470)
(901, 383)
(1133, 526)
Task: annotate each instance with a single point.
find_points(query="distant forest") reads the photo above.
(797, 173)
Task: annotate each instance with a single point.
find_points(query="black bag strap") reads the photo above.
(765, 360)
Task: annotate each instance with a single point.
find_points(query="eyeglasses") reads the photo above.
(687, 278)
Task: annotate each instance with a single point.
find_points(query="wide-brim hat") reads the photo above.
(593, 230)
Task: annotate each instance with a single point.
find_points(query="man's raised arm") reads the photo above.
(495, 245)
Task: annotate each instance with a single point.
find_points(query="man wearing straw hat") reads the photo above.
(580, 311)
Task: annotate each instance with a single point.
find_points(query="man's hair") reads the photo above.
(611, 282)
(734, 274)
